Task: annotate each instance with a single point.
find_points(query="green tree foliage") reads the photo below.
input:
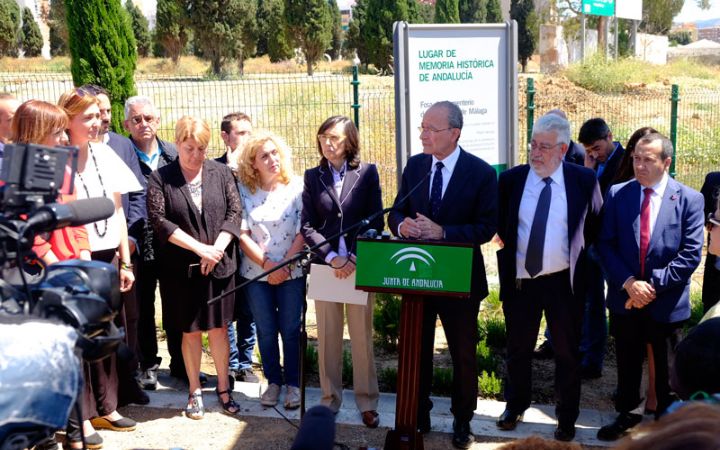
(58, 29)
(658, 15)
(446, 11)
(310, 23)
(680, 38)
(223, 29)
(140, 29)
(493, 13)
(9, 27)
(472, 11)
(272, 31)
(523, 11)
(102, 47)
(424, 12)
(31, 39)
(355, 39)
(337, 32)
(171, 30)
(378, 29)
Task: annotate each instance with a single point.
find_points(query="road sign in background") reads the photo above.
(599, 7)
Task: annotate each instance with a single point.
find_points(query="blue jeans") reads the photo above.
(277, 309)
(241, 352)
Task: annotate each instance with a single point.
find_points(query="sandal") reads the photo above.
(195, 409)
(230, 407)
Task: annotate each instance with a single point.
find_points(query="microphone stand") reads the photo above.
(303, 258)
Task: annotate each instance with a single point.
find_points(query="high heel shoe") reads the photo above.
(195, 409)
(230, 407)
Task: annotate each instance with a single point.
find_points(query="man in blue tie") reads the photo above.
(454, 199)
(548, 214)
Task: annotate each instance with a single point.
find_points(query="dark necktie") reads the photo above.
(644, 228)
(436, 191)
(534, 256)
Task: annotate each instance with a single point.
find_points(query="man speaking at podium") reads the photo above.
(452, 197)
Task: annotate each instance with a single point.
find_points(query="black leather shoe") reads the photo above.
(545, 351)
(509, 420)
(423, 423)
(462, 437)
(619, 427)
(565, 433)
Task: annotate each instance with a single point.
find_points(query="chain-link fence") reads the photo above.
(697, 121)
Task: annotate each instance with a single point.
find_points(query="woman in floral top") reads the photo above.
(272, 202)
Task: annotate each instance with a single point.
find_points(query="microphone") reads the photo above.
(78, 212)
(400, 203)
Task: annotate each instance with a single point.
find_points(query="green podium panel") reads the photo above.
(414, 267)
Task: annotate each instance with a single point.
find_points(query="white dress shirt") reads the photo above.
(556, 251)
(448, 167)
(338, 180)
(655, 200)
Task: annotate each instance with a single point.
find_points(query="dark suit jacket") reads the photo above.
(575, 153)
(170, 206)
(710, 191)
(468, 212)
(584, 203)
(611, 166)
(168, 154)
(133, 202)
(674, 250)
(324, 214)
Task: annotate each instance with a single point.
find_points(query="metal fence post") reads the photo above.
(530, 108)
(356, 96)
(674, 99)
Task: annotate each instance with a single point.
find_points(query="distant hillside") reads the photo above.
(707, 23)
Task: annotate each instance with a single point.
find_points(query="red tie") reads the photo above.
(644, 229)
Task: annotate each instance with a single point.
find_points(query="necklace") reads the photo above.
(87, 192)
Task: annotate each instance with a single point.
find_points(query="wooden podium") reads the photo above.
(414, 269)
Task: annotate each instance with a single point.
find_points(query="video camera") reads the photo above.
(50, 316)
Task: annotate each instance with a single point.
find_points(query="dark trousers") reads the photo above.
(711, 284)
(632, 332)
(564, 314)
(459, 320)
(147, 279)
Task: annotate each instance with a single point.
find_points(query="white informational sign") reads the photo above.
(473, 66)
(628, 9)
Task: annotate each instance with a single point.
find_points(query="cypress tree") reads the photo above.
(447, 11)
(378, 29)
(58, 29)
(337, 32)
(523, 11)
(493, 13)
(171, 31)
(272, 28)
(9, 27)
(223, 29)
(102, 47)
(472, 11)
(32, 41)
(310, 23)
(355, 39)
(140, 29)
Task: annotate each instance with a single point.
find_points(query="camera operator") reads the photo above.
(101, 173)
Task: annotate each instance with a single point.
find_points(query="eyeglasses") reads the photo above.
(331, 137)
(422, 129)
(543, 147)
(137, 120)
(713, 221)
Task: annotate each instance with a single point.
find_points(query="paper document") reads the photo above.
(325, 286)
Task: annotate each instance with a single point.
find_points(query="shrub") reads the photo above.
(311, 359)
(387, 378)
(489, 386)
(442, 380)
(386, 320)
(485, 360)
(347, 368)
(493, 330)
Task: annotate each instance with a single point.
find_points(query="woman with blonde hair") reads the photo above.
(100, 173)
(194, 208)
(272, 203)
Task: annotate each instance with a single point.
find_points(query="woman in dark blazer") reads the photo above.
(338, 193)
(194, 208)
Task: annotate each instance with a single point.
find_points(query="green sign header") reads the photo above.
(599, 7)
(413, 267)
